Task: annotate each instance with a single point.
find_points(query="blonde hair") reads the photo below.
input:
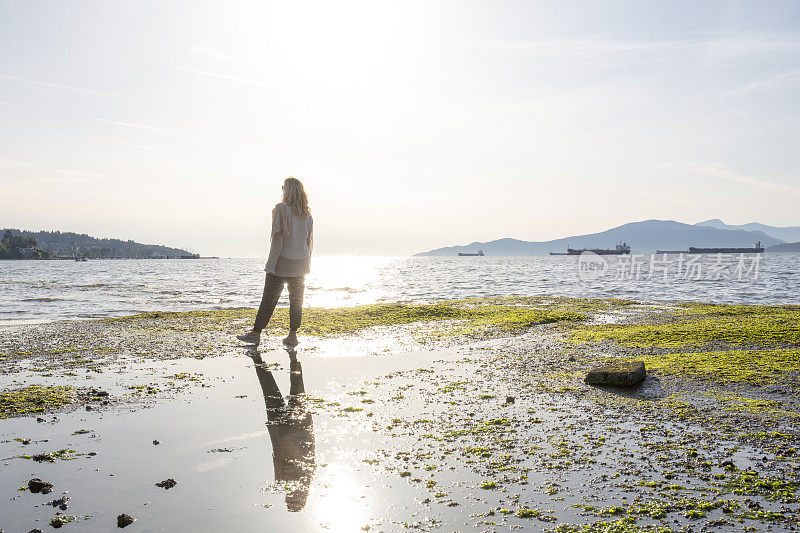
(294, 195)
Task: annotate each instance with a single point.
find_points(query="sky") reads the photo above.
(413, 125)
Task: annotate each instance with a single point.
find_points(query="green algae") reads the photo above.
(623, 525)
(756, 367)
(34, 399)
(772, 489)
(322, 321)
(746, 326)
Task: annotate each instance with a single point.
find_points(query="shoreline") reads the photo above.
(472, 413)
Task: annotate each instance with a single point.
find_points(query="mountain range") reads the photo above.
(788, 234)
(645, 236)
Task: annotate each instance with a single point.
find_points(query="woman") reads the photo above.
(288, 262)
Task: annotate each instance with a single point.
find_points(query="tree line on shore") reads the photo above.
(58, 244)
(20, 247)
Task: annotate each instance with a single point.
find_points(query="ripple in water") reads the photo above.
(41, 291)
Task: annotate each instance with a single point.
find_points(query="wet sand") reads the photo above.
(388, 428)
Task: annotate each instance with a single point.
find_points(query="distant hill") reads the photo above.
(785, 247)
(787, 234)
(67, 244)
(643, 237)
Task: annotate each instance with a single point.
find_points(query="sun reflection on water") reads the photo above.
(340, 280)
(341, 504)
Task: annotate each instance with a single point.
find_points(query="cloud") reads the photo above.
(42, 174)
(136, 126)
(720, 171)
(55, 85)
(141, 146)
(11, 104)
(608, 53)
(77, 176)
(13, 163)
(771, 82)
(248, 81)
(214, 53)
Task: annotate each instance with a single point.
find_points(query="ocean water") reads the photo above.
(43, 291)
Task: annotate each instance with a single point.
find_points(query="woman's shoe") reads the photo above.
(291, 339)
(253, 337)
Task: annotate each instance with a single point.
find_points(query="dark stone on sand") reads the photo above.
(124, 520)
(510, 399)
(36, 486)
(37, 530)
(625, 374)
(727, 463)
(167, 483)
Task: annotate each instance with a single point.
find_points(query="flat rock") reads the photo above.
(627, 374)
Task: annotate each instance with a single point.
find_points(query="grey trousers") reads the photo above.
(273, 287)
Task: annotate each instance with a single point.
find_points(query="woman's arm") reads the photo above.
(276, 239)
(310, 239)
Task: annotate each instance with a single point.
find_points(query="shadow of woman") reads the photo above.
(291, 431)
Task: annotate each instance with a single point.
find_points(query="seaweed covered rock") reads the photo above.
(37, 486)
(124, 520)
(624, 374)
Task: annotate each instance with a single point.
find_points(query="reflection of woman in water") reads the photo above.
(292, 239)
(291, 431)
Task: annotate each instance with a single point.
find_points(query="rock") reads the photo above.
(626, 374)
(37, 530)
(572, 358)
(727, 463)
(36, 486)
(124, 520)
(167, 483)
(510, 399)
(60, 502)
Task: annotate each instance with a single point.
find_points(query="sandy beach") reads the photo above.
(469, 415)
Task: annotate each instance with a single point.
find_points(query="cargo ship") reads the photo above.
(479, 254)
(755, 249)
(619, 249)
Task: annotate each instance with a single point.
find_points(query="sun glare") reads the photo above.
(341, 505)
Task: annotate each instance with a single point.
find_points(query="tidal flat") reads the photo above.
(467, 415)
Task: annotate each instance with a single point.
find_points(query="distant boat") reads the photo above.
(620, 249)
(755, 249)
(479, 254)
